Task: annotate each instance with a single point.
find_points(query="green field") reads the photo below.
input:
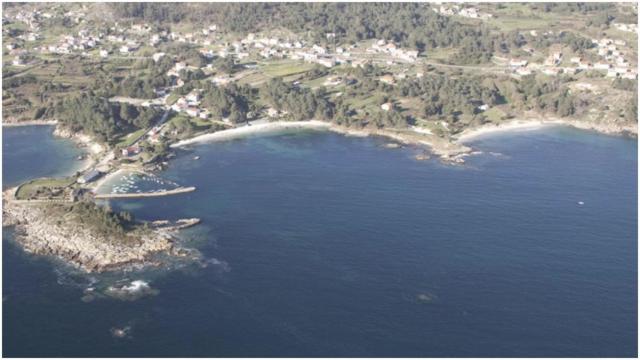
(286, 68)
(30, 188)
(128, 139)
(494, 114)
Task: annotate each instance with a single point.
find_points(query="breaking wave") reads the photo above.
(135, 290)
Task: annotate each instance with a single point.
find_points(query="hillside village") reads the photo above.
(202, 77)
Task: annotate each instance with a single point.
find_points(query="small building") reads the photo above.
(18, 61)
(204, 114)
(193, 111)
(193, 98)
(131, 151)
(326, 61)
(518, 63)
(91, 176)
(157, 56)
(388, 106)
(387, 79)
(551, 71)
(523, 71)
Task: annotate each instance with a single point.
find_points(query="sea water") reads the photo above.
(325, 245)
(32, 151)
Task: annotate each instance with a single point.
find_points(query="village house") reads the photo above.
(388, 106)
(319, 49)
(626, 27)
(157, 56)
(554, 59)
(551, 71)
(327, 61)
(612, 73)
(516, 63)
(131, 151)
(180, 105)
(193, 98)
(129, 48)
(387, 79)
(155, 40)
(193, 111)
(204, 114)
(221, 79)
(483, 107)
(19, 60)
(601, 66)
(91, 176)
(584, 65)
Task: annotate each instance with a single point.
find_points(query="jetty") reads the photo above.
(179, 190)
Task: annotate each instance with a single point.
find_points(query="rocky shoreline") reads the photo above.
(83, 246)
(86, 248)
(450, 150)
(79, 138)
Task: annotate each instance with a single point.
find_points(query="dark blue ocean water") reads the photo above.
(32, 152)
(335, 246)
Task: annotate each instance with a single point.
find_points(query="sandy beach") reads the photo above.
(254, 129)
(30, 123)
(106, 178)
(533, 123)
(440, 147)
(515, 125)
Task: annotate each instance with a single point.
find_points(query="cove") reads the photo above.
(337, 246)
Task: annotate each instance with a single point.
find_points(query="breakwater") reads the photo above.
(179, 190)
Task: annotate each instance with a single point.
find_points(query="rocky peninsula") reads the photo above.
(87, 236)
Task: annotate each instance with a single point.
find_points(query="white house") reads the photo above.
(157, 56)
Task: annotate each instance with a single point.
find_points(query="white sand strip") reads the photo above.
(515, 125)
(254, 129)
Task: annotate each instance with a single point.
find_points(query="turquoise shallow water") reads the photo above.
(324, 245)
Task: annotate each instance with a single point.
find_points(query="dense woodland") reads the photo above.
(102, 219)
(411, 25)
(96, 116)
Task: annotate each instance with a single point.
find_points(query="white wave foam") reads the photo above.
(133, 291)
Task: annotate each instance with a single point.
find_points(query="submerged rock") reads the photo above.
(121, 333)
(425, 298)
(135, 290)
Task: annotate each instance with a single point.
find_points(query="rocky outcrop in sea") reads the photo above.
(78, 244)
